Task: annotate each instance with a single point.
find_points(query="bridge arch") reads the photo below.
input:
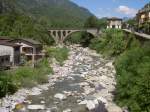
(59, 35)
(71, 33)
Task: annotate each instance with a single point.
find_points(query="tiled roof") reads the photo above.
(114, 18)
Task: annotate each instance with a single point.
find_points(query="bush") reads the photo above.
(133, 78)
(75, 38)
(111, 43)
(60, 54)
(7, 85)
(26, 77)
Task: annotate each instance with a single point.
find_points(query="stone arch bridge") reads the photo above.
(59, 35)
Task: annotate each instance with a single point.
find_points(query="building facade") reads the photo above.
(143, 15)
(114, 23)
(9, 54)
(31, 49)
(5, 61)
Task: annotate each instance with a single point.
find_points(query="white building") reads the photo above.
(31, 49)
(114, 23)
(9, 54)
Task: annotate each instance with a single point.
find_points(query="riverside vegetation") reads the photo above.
(132, 65)
(27, 77)
(132, 60)
(60, 54)
(12, 80)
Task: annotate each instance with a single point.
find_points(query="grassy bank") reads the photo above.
(132, 62)
(60, 54)
(27, 77)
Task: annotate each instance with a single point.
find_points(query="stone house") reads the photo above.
(114, 23)
(9, 54)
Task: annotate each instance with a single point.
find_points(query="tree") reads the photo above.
(131, 23)
(7, 6)
(102, 23)
(91, 22)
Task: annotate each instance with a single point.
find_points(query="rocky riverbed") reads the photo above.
(85, 83)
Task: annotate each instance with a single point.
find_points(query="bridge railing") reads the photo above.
(72, 29)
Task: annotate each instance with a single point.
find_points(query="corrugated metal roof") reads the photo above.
(8, 44)
(34, 42)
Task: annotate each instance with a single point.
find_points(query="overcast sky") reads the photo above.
(110, 8)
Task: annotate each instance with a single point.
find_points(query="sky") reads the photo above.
(112, 8)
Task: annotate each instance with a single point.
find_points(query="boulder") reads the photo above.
(3, 109)
(60, 96)
(20, 107)
(68, 93)
(103, 100)
(36, 91)
(42, 102)
(82, 84)
(90, 105)
(36, 107)
(67, 110)
(109, 64)
(114, 108)
(83, 102)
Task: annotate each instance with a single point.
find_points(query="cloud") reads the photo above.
(101, 12)
(114, 0)
(126, 10)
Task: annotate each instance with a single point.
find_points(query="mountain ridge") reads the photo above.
(55, 11)
(33, 18)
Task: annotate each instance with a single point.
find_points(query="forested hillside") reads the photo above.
(56, 12)
(32, 18)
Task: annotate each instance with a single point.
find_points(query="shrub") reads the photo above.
(111, 43)
(133, 78)
(75, 38)
(60, 54)
(25, 76)
(7, 85)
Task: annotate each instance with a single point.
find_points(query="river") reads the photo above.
(85, 83)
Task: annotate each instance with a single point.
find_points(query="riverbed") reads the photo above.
(85, 83)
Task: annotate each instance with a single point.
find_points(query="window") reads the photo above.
(143, 16)
(7, 59)
(2, 60)
(17, 49)
(113, 26)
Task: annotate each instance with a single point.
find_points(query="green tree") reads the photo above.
(91, 22)
(102, 23)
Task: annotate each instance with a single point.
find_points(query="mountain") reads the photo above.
(57, 13)
(33, 18)
(126, 18)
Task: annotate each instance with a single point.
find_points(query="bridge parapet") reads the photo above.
(142, 35)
